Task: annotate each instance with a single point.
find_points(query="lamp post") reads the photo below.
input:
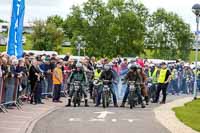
(80, 44)
(196, 11)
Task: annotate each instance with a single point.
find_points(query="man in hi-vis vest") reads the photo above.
(163, 80)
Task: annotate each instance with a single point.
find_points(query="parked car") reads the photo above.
(66, 44)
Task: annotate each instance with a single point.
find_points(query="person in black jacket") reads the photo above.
(35, 78)
(107, 74)
(133, 75)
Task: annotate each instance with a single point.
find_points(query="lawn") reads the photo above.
(189, 114)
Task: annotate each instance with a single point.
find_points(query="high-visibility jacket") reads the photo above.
(154, 75)
(97, 74)
(162, 76)
(174, 74)
(198, 74)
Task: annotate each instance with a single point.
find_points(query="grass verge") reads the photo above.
(189, 114)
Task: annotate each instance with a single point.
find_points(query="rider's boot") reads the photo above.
(142, 105)
(69, 103)
(115, 105)
(123, 104)
(86, 103)
(147, 100)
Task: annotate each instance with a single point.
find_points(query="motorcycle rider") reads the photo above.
(133, 76)
(78, 75)
(143, 78)
(107, 74)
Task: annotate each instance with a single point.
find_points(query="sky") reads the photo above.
(40, 9)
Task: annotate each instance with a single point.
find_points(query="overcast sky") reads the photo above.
(40, 9)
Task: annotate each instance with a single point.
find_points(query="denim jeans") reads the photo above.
(44, 87)
(198, 84)
(138, 93)
(115, 87)
(112, 92)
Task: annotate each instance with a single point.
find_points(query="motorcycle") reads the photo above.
(77, 93)
(96, 85)
(106, 94)
(152, 89)
(132, 97)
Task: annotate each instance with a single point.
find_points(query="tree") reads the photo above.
(108, 29)
(125, 27)
(46, 37)
(1, 20)
(168, 35)
(56, 20)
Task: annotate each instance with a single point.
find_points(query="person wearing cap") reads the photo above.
(163, 81)
(57, 82)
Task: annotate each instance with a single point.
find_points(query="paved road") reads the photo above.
(16, 121)
(99, 120)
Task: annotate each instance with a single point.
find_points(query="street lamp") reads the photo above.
(196, 11)
(80, 44)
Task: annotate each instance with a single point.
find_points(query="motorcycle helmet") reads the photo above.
(99, 66)
(133, 67)
(79, 65)
(107, 67)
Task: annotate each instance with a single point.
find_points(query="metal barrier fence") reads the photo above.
(48, 88)
(9, 90)
(2, 107)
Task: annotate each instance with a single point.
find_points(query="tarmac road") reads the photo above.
(98, 120)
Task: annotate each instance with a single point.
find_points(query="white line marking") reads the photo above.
(130, 120)
(114, 120)
(74, 119)
(103, 114)
(13, 122)
(100, 120)
(8, 128)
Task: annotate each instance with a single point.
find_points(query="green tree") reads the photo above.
(129, 27)
(74, 26)
(46, 37)
(109, 29)
(56, 20)
(168, 35)
(1, 20)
